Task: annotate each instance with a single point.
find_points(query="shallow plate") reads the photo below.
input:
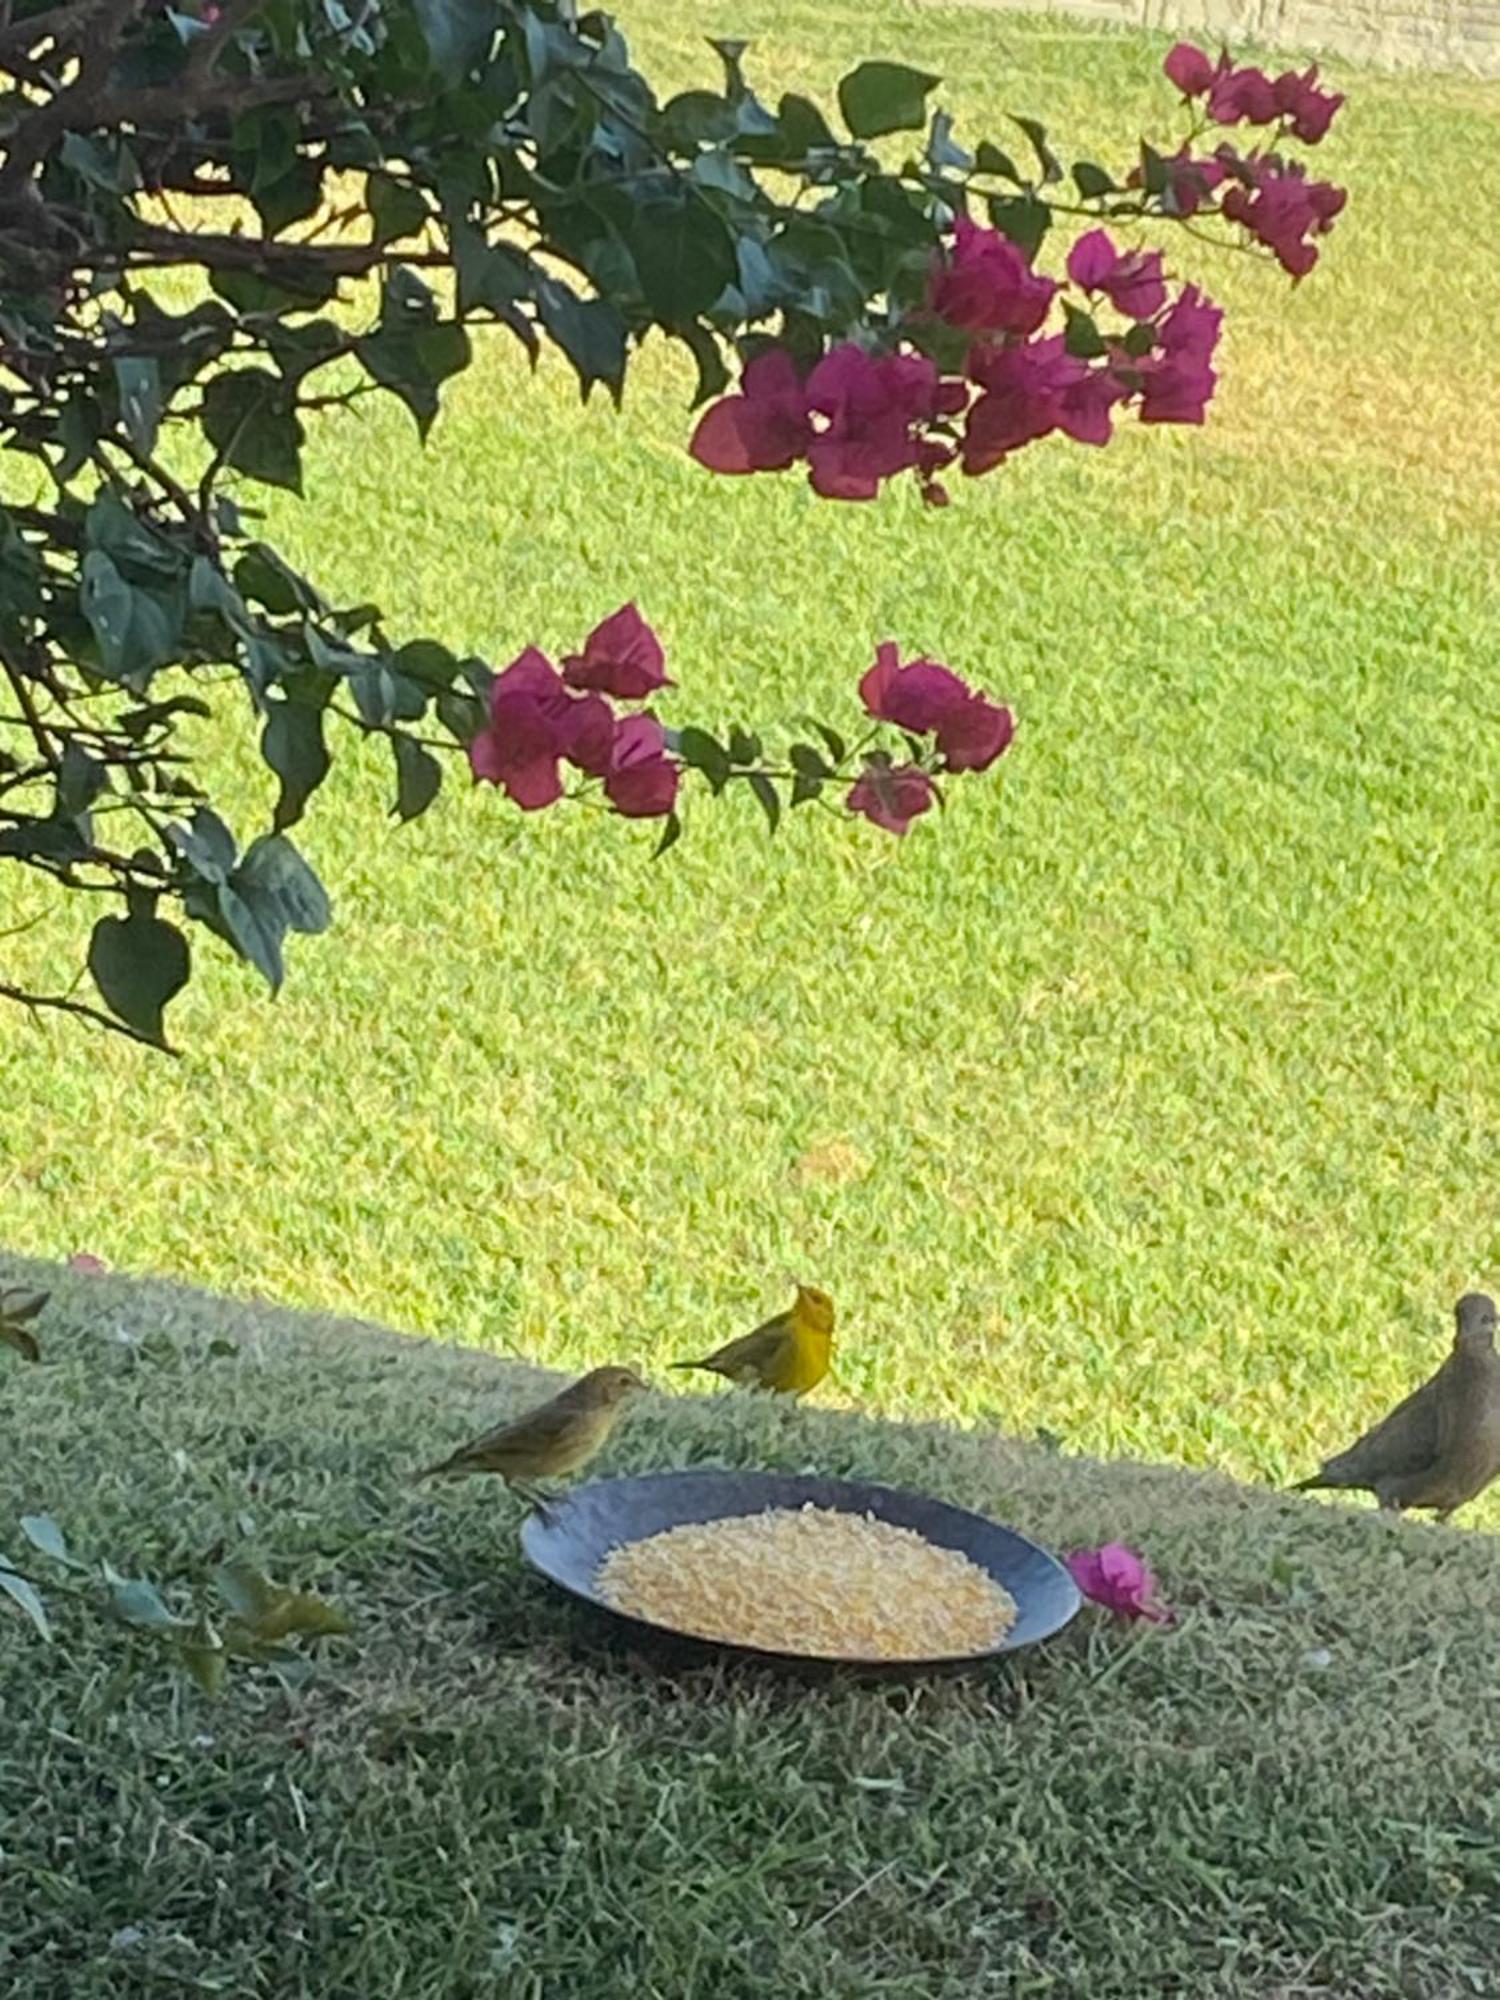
(570, 1539)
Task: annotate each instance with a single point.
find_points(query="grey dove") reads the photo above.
(1440, 1447)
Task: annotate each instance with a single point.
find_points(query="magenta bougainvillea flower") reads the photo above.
(891, 796)
(1247, 96)
(926, 698)
(1309, 110)
(765, 428)
(1283, 209)
(622, 656)
(986, 285)
(642, 779)
(1131, 280)
(1190, 69)
(1120, 1580)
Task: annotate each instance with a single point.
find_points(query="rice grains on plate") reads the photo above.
(810, 1580)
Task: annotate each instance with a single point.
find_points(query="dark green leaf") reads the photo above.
(20, 1592)
(292, 743)
(139, 384)
(803, 127)
(274, 877)
(808, 761)
(105, 163)
(1155, 174)
(684, 256)
(299, 349)
(880, 97)
(589, 331)
(1047, 160)
(139, 722)
(706, 754)
(713, 376)
(697, 118)
(457, 33)
(262, 575)
(135, 547)
(397, 208)
(1092, 181)
(770, 798)
(136, 629)
(744, 746)
(80, 780)
(988, 159)
(838, 750)
(1139, 339)
(1022, 218)
(1082, 337)
(292, 197)
(805, 787)
(418, 777)
(249, 419)
(671, 833)
(412, 361)
(300, 286)
(139, 963)
(206, 844)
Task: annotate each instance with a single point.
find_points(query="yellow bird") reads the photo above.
(790, 1354)
(557, 1437)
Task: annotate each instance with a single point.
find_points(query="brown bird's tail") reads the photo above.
(1308, 1485)
(687, 1364)
(431, 1471)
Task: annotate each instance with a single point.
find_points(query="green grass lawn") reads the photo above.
(1150, 1096)
(1291, 1796)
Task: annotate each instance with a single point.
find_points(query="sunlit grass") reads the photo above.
(1150, 1096)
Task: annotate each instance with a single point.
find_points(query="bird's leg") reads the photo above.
(535, 1499)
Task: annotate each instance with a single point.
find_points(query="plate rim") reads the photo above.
(534, 1526)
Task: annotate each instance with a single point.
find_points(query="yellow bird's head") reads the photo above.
(814, 1309)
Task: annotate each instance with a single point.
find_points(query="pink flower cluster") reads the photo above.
(1283, 209)
(858, 418)
(540, 719)
(1162, 362)
(1120, 1580)
(1274, 201)
(925, 699)
(1249, 97)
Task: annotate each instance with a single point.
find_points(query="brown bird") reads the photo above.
(1441, 1447)
(789, 1354)
(557, 1437)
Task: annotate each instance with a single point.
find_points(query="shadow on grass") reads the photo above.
(1291, 1793)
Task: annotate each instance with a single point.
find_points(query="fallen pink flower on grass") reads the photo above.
(88, 1263)
(1120, 1580)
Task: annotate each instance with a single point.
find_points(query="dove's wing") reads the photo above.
(1405, 1442)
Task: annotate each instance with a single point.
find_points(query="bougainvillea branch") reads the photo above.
(862, 298)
